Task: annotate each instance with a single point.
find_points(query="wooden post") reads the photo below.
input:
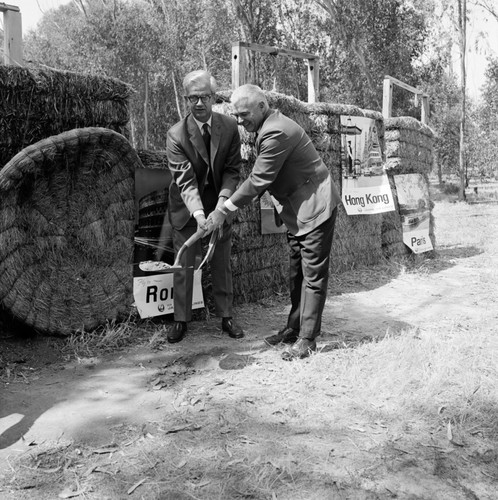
(237, 65)
(313, 75)
(12, 41)
(387, 98)
(240, 66)
(424, 117)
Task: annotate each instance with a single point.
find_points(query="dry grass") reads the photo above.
(409, 415)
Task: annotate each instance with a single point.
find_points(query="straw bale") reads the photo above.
(406, 150)
(325, 124)
(397, 165)
(66, 231)
(40, 103)
(153, 159)
(408, 123)
(333, 109)
(409, 136)
(391, 229)
(357, 240)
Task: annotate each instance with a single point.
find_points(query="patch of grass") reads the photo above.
(109, 337)
(406, 415)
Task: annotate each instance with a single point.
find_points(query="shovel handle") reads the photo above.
(194, 238)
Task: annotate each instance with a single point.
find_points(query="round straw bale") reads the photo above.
(66, 231)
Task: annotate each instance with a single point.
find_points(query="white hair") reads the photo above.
(199, 76)
(252, 93)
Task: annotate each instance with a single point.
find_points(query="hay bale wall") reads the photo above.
(260, 262)
(357, 239)
(409, 147)
(36, 104)
(39, 104)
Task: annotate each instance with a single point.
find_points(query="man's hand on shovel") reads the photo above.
(221, 215)
(204, 224)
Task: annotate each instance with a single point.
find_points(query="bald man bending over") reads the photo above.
(288, 166)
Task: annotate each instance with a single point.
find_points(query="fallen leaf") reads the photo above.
(136, 485)
(234, 462)
(449, 433)
(68, 493)
(50, 471)
(359, 429)
(90, 470)
(189, 427)
(101, 451)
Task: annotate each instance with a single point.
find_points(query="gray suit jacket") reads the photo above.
(188, 163)
(289, 167)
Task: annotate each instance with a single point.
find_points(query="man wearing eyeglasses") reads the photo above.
(204, 159)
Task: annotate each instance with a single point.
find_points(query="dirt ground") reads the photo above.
(213, 417)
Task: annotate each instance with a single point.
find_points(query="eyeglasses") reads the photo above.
(195, 98)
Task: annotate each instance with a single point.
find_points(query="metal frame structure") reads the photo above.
(387, 99)
(239, 64)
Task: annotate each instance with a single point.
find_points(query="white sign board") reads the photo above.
(365, 186)
(413, 198)
(154, 294)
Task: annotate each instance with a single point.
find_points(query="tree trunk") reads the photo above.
(177, 98)
(146, 105)
(462, 21)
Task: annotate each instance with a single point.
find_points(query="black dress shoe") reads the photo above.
(302, 348)
(228, 325)
(286, 336)
(176, 332)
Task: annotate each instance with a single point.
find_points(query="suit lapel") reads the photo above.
(215, 136)
(196, 138)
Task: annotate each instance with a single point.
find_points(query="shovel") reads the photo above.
(176, 266)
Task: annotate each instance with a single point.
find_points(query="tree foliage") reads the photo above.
(152, 44)
(375, 37)
(483, 134)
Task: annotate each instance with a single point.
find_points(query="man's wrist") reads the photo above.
(222, 209)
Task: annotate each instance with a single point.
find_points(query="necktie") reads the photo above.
(207, 138)
(207, 142)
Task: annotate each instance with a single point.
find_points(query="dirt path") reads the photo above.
(234, 393)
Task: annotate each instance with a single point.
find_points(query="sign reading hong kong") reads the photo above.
(365, 186)
(368, 199)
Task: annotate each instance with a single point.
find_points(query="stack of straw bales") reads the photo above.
(409, 146)
(67, 216)
(35, 104)
(260, 262)
(67, 207)
(357, 238)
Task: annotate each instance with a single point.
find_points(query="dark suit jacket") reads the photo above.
(289, 167)
(188, 161)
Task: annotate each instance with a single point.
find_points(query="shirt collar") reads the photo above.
(200, 124)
